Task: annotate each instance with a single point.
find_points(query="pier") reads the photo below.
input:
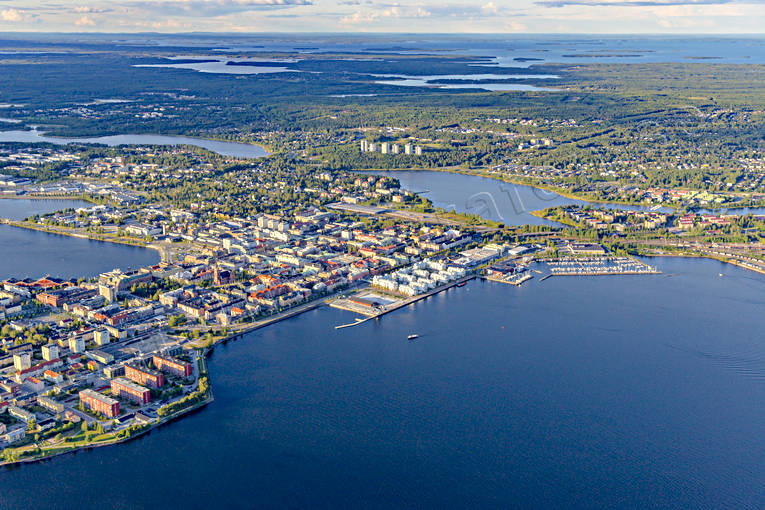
(511, 280)
(343, 304)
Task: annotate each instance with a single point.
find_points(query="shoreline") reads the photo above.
(203, 352)
(33, 196)
(560, 192)
(78, 235)
(202, 355)
(73, 139)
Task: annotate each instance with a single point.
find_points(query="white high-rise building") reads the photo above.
(384, 147)
(101, 337)
(364, 144)
(418, 151)
(395, 149)
(76, 344)
(22, 361)
(408, 148)
(372, 147)
(50, 352)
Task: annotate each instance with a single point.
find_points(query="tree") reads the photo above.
(10, 455)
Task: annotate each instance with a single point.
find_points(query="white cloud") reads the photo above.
(86, 9)
(11, 15)
(169, 23)
(443, 16)
(393, 12)
(85, 21)
(203, 8)
(358, 17)
(490, 8)
(514, 26)
(385, 11)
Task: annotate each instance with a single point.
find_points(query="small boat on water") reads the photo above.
(412, 337)
(461, 284)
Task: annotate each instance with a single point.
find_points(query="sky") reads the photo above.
(409, 16)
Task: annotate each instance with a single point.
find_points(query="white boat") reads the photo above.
(412, 337)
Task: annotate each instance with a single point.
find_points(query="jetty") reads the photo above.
(512, 280)
(346, 304)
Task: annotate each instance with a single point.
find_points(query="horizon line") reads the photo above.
(410, 34)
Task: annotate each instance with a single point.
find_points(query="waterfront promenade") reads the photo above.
(384, 310)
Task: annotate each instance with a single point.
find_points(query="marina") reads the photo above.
(599, 266)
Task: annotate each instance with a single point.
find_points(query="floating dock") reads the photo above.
(512, 281)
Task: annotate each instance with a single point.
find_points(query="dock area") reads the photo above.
(374, 312)
(368, 303)
(599, 266)
(517, 281)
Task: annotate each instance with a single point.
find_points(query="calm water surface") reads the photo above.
(611, 392)
(503, 201)
(20, 208)
(32, 254)
(237, 150)
(492, 199)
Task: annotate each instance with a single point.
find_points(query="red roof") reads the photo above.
(39, 366)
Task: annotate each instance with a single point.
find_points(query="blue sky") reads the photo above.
(450, 16)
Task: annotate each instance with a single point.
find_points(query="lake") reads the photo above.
(20, 208)
(221, 66)
(492, 199)
(494, 87)
(509, 203)
(425, 80)
(579, 393)
(232, 149)
(32, 254)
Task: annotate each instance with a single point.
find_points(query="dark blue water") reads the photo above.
(32, 254)
(611, 392)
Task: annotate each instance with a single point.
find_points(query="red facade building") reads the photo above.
(145, 376)
(128, 389)
(99, 403)
(173, 366)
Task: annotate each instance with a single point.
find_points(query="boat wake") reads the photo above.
(749, 363)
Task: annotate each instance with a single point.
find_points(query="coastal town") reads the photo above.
(98, 360)
(296, 254)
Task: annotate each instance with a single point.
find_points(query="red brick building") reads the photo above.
(145, 376)
(173, 366)
(124, 388)
(99, 403)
